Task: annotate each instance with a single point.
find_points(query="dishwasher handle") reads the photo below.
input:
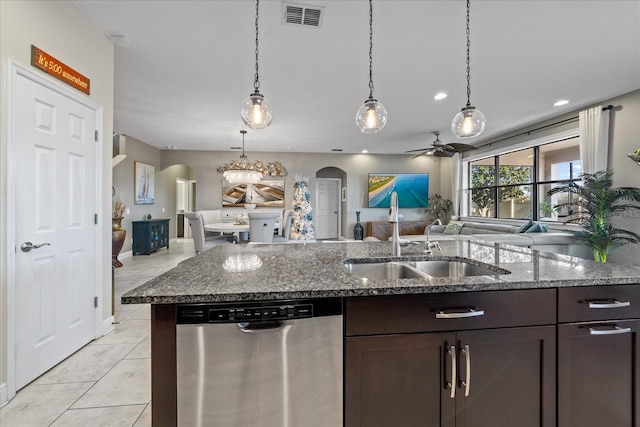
(257, 327)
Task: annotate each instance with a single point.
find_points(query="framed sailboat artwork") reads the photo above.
(144, 183)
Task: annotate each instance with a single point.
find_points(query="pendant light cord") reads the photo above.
(243, 132)
(370, 49)
(256, 83)
(468, 58)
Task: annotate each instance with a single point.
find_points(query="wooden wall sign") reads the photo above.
(50, 65)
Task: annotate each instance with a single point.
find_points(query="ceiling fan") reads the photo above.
(440, 149)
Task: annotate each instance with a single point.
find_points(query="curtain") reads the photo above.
(456, 168)
(594, 139)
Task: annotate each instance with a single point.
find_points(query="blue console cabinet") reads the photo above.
(149, 235)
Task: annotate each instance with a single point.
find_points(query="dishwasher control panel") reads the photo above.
(254, 311)
(242, 314)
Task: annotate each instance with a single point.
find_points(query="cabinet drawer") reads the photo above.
(598, 303)
(449, 312)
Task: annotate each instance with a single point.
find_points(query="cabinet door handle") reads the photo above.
(467, 381)
(454, 369)
(607, 330)
(457, 314)
(607, 303)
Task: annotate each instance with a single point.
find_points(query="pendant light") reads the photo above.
(371, 116)
(256, 111)
(469, 122)
(244, 171)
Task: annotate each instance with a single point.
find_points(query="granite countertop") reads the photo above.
(315, 270)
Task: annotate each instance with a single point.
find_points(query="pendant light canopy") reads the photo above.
(256, 111)
(371, 116)
(243, 171)
(469, 122)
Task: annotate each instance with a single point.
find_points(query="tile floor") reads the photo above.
(107, 383)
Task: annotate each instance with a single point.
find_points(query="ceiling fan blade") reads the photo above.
(424, 153)
(419, 149)
(458, 147)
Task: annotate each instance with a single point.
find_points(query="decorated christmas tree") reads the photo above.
(302, 227)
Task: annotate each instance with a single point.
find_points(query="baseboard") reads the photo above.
(108, 325)
(4, 394)
(127, 254)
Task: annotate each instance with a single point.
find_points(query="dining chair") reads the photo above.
(200, 242)
(262, 226)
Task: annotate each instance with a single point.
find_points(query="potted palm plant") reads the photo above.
(438, 208)
(596, 203)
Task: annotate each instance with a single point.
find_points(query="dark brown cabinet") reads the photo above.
(599, 356)
(451, 360)
(398, 380)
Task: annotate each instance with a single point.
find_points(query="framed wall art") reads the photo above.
(144, 183)
(266, 193)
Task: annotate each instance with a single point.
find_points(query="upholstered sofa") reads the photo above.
(555, 240)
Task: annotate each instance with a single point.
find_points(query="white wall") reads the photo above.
(357, 167)
(59, 29)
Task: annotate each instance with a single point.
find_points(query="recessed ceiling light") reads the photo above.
(561, 102)
(365, 151)
(440, 95)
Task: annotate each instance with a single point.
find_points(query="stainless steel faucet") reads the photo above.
(393, 219)
(431, 244)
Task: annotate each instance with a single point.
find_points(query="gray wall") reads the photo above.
(165, 187)
(356, 166)
(624, 138)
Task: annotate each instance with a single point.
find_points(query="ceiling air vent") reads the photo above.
(302, 15)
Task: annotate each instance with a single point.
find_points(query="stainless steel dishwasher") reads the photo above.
(267, 364)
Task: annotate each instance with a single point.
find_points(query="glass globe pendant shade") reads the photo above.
(256, 111)
(371, 116)
(468, 123)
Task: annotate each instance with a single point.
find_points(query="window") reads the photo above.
(514, 185)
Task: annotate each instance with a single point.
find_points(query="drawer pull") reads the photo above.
(607, 330)
(454, 369)
(607, 303)
(457, 314)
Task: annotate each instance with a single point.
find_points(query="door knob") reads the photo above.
(27, 246)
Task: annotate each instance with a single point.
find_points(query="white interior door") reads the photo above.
(55, 206)
(327, 205)
(182, 203)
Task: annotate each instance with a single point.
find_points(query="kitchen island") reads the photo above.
(532, 306)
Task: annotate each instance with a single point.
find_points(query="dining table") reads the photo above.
(228, 227)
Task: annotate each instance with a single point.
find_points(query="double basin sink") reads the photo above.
(420, 269)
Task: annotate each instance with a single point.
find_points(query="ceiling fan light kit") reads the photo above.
(440, 149)
(371, 116)
(256, 111)
(469, 122)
